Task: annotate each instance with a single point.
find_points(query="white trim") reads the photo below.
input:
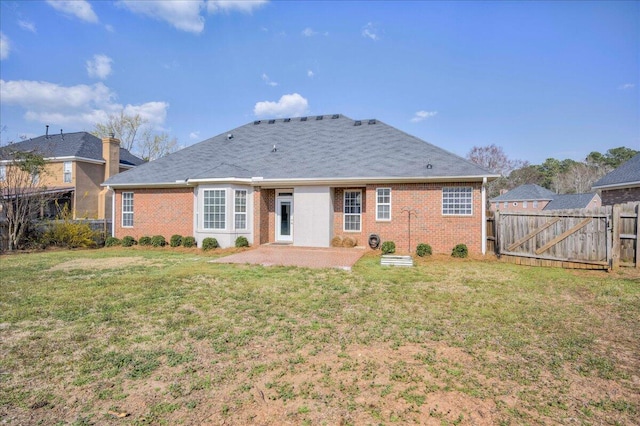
(113, 211)
(204, 191)
(279, 201)
(246, 211)
(622, 185)
(344, 213)
(123, 212)
(378, 219)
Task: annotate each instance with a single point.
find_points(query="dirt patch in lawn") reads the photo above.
(101, 264)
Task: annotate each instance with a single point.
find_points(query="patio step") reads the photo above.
(394, 260)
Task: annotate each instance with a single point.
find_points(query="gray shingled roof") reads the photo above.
(627, 173)
(332, 147)
(530, 192)
(78, 144)
(570, 201)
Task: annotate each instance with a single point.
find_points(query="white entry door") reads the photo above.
(284, 219)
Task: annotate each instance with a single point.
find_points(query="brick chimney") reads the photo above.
(111, 154)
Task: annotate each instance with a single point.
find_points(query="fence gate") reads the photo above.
(595, 239)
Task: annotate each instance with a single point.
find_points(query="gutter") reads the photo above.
(616, 186)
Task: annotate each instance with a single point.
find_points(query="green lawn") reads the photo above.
(162, 336)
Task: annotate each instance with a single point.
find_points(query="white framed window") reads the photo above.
(535, 204)
(525, 204)
(352, 210)
(215, 209)
(127, 209)
(383, 204)
(457, 201)
(3, 173)
(506, 204)
(240, 209)
(66, 172)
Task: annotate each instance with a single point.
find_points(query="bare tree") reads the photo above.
(578, 178)
(22, 192)
(493, 158)
(136, 135)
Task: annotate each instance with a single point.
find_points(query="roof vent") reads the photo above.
(303, 119)
(61, 135)
(286, 120)
(334, 116)
(256, 122)
(272, 121)
(372, 121)
(429, 165)
(319, 117)
(46, 135)
(357, 123)
(230, 136)
(274, 149)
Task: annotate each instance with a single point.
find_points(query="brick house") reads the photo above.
(532, 197)
(76, 166)
(621, 185)
(304, 181)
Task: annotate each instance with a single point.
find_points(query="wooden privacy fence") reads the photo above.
(602, 238)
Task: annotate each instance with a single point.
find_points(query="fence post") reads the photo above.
(637, 247)
(496, 233)
(615, 235)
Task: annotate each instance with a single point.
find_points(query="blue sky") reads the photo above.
(540, 79)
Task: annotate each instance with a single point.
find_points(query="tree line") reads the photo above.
(560, 176)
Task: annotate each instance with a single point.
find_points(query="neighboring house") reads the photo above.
(304, 181)
(532, 197)
(622, 184)
(76, 166)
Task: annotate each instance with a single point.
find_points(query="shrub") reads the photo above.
(112, 242)
(209, 243)
(242, 242)
(423, 250)
(336, 241)
(388, 247)
(175, 240)
(128, 241)
(144, 241)
(188, 242)
(460, 250)
(158, 241)
(349, 242)
(70, 234)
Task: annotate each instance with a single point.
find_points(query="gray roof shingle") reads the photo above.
(78, 144)
(570, 201)
(627, 173)
(529, 192)
(328, 148)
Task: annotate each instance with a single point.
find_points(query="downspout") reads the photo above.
(484, 216)
(113, 211)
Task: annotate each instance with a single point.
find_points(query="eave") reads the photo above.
(624, 185)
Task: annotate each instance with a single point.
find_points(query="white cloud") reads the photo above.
(268, 81)
(99, 66)
(247, 6)
(310, 74)
(5, 46)
(80, 106)
(627, 86)
(423, 115)
(194, 135)
(183, 15)
(308, 32)
(288, 106)
(371, 32)
(81, 9)
(27, 26)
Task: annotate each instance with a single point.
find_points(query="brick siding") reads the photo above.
(620, 196)
(428, 224)
(157, 212)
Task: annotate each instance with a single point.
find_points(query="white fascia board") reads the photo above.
(617, 186)
(178, 184)
(73, 158)
(364, 181)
